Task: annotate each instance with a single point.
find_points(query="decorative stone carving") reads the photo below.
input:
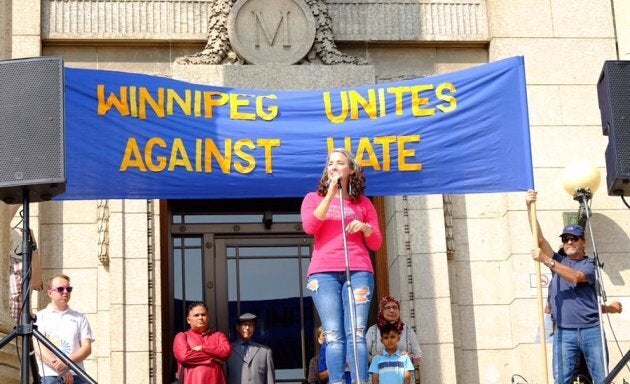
(324, 47)
(219, 50)
(102, 224)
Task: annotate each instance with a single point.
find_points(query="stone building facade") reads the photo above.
(459, 263)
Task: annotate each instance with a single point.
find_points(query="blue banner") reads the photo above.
(139, 136)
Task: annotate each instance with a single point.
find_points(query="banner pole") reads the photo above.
(541, 315)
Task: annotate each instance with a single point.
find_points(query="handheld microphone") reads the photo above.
(338, 182)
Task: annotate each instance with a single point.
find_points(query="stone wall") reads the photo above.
(564, 45)
(469, 299)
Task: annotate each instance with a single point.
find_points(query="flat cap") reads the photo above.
(246, 317)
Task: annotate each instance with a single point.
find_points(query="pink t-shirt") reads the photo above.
(328, 254)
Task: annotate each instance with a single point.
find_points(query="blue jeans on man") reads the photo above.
(59, 380)
(567, 343)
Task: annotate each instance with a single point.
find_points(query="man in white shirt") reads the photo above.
(68, 329)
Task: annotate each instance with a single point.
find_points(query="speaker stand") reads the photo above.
(617, 369)
(26, 329)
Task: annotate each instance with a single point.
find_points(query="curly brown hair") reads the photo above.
(356, 184)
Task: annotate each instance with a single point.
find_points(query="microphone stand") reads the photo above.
(353, 320)
(583, 195)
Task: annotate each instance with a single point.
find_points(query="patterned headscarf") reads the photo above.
(380, 319)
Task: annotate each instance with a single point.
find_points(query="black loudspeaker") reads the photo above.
(613, 90)
(32, 144)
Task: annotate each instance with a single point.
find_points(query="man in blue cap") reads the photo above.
(573, 301)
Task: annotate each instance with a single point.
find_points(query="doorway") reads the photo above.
(247, 255)
(251, 260)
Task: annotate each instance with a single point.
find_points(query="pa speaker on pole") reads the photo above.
(32, 148)
(613, 89)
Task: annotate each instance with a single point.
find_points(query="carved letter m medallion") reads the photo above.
(271, 37)
(271, 31)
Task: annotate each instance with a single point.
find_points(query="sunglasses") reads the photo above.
(566, 239)
(61, 290)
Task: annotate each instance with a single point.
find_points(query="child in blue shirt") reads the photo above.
(391, 367)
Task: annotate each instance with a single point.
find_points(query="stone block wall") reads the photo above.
(472, 305)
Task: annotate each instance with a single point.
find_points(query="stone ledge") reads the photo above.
(186, 21)
(277, 76)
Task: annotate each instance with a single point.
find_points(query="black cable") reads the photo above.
(624, 201)
(21, 310)
(21, 218)
(28, 290)
(21, 254)
(615, 339)
(19, 316)
(29, 276)
(520, 377)
(25, 289)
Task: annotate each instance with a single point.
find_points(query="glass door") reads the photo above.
(266, 277)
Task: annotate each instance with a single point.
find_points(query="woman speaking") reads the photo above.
(321, 216)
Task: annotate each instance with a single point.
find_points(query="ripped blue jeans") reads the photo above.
(330, 295)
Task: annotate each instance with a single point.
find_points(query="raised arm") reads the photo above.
(310, 220)
(543, 244)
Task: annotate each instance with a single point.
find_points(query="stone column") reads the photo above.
(419, 277)
(26, 29)
(128, 287)
(5, 30)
